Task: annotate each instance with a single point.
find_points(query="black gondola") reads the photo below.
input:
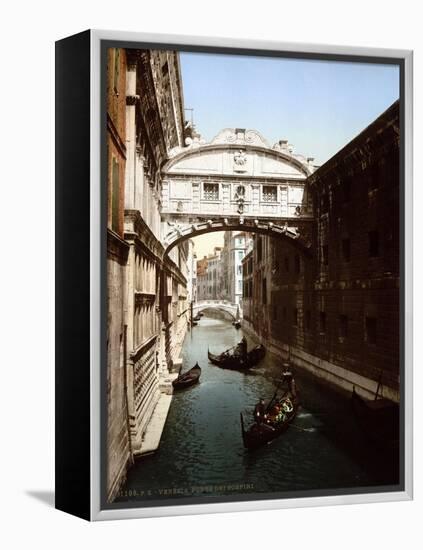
(237, 324)
(197, 317)
(187, 379)
(280, 413)
(227, 360)
(378, 419)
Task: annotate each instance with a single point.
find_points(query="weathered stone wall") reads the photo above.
(118, 440)
(118, 443)
(145, 335)
(116, 137)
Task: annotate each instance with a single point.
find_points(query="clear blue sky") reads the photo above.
(319, 106)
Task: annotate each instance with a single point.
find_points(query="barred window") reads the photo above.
(343, 326)
(373, 244)
(346, 250)
(270, 193)
(322, 322)
(371, 330)
(211, 191)
(325, 254)
(308, 319)
(264, 292)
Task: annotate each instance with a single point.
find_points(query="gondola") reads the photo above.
(197, 317)
(237, 362)
(187, 379)
(276, 423)
(194, 323)
(378, 419)
(237, 324)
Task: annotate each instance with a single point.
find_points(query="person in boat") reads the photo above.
(241, 349)
(260, 412)
(290, 380)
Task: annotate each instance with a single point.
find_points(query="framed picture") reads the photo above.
(234, 293)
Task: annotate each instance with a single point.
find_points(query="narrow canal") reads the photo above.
(201, 451)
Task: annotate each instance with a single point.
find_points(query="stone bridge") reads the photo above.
(298, 233)
(222, 305)
(237, 182)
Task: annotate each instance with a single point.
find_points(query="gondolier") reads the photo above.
(241, 349)
(260, 411)
(271, 421)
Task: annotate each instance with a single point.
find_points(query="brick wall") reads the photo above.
(342, 304)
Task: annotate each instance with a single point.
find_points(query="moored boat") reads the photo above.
(187, 379)
(378, 419)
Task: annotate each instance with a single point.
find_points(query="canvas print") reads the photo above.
(253, 279)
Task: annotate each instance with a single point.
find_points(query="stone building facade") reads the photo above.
(336, 312)
(118, 443)
(209, 276)
(235, 245)
(147, 290)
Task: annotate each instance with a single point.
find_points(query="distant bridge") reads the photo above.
(222, 305)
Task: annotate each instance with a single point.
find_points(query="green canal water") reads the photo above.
(201, 452)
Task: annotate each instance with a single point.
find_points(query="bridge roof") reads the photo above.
(240, 152)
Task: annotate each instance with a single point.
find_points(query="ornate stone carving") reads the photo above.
(240, 198)
(242, 137)
(240, 158)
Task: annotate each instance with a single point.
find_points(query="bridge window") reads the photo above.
(211, 191)
(270, 193)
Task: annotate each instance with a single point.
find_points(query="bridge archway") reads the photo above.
(299, 235)
(220, 305)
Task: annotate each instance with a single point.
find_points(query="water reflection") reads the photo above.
(201, 451)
